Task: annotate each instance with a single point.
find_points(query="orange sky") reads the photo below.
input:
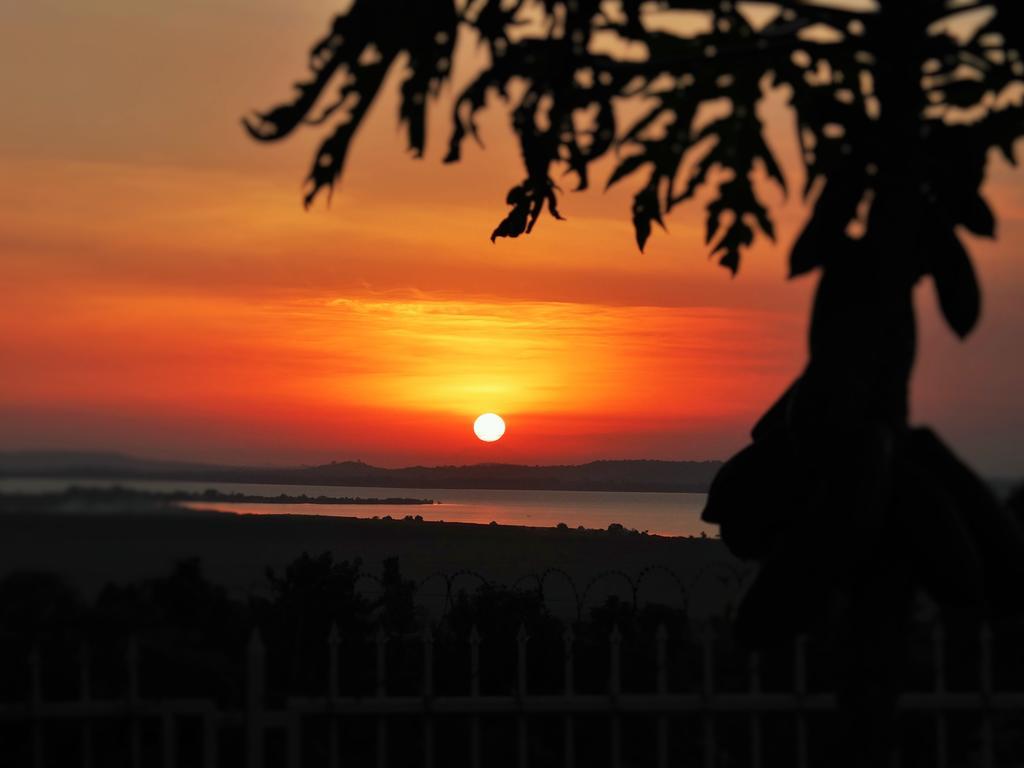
(167, 295)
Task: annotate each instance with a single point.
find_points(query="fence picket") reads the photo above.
(474, 696)
(35, 703)
(568, 686)
(211, 741)
(521, 674)
(939, 687)
(381, 642)
(988, 759)
(333, 722)
(800, 691)
(168, 740)
(132, 664)
(754, 673)
(614, 691)
(293, 733)
(85, 694)
(255, 700)
(428, 694)
(708, 720)
(661, 683)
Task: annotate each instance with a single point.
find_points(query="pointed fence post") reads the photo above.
(568, 682)
(988, 758)
(381, 642)
(521, 677)
(474, 692)
(800, 689)
(614, 691)
(661, 682)
(255, 700)
(333, 640)
(132, 665)
(85, 693)
(708, 647)
(169, 740)
(293, 735)
(939, 676)
(754, 672)
(211, 739)
(35, 708)
(428, 695)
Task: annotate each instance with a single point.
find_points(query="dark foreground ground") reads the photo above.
(90, 550)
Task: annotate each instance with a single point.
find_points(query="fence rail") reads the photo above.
(256, 718)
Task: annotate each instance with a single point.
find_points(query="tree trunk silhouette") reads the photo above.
(884, 508)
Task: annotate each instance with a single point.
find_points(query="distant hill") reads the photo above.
(630, 475)
(55, 463)
(627, 475)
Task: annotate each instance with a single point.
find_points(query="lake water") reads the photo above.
(667, 514)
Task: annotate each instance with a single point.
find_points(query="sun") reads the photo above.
(489, 427)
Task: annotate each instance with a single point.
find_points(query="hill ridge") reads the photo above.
(598, 475)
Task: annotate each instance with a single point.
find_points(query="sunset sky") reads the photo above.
(166, 295)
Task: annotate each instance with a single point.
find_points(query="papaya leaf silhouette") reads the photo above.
(898, 106)
(837, 65)
(358, 51)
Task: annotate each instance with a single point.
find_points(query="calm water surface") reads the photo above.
(670, 514)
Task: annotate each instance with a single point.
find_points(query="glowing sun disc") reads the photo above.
(489, 427)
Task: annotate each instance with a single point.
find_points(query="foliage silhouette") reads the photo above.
(899, 105)
(865, 86)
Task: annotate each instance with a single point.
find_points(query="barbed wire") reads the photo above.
(730, 577)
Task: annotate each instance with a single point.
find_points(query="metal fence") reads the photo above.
(441, 588)
(257, 718)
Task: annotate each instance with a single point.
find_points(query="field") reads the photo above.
(89, 550)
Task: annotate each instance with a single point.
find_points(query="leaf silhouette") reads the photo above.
(836, 64)
(978, 218)
(955, 281)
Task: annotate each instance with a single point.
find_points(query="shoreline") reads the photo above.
(76, 495)
(228, 478)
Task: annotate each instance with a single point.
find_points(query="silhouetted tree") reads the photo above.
(1016, 502)
(898, 106)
